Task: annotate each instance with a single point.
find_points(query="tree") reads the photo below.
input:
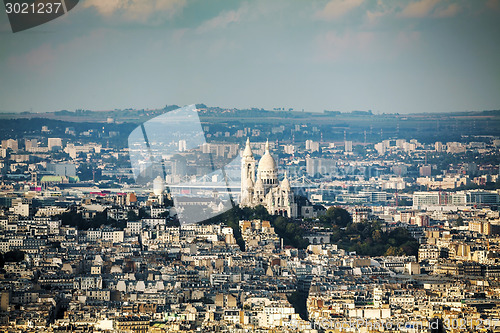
(143, 213)
(168, 202)
(165, 214)
(73, 219)
(337, 216)
(404, 202)
(173, 222)
(299, 301)
(132, 216)
(458, 222)
(14, 256)
(291, 233)
(394, 251)
(89, 172)
(260, 212)
(410, 248)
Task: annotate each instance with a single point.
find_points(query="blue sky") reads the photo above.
(383, 55)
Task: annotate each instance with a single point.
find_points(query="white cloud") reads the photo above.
(135, 10)
(366, 46)
(449, 11)
(407, 39)
(224, 19)
(375, 16)
(381, 9)
(493, 4)
(105, 8)
(335, 46)
(41, 59)
(47, 57)
(419, 9)
(338, 8)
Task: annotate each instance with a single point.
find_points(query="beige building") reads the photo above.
(482, 227)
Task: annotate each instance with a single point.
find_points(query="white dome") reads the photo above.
(267, 162)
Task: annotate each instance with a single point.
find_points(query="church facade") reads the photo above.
(261, 186)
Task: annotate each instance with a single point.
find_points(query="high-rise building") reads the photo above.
(182, 145)
(425, 170)
(29, 144)
(55, 143)
(10, 143)
(312, 166)
(312, 145)
(348, 146)
(289, 149)
(439, 147)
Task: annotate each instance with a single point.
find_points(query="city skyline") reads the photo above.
(250, 166)
(324, 228)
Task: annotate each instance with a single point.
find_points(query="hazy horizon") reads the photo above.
(249, 108)
(422, 56)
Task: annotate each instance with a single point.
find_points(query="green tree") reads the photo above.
(132, 216)
(337, 216)
(260, 212)
(143, 213)
(394, 251)
(299, 301)
(14, 256)
(458, 222)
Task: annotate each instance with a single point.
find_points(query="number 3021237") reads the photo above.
(33, 8)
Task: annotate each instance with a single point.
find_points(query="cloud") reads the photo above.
(375, 16)
(136, 10)
(47, 57)
(105, 8)
(40, 59)
(337, 8)
(419, 9)
(224, 19)
(449, 11)
(414, 9)
(335, 46)
(407, 39)
(493, 4)
(380, 11)
(366, 46)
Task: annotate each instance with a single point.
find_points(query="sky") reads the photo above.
(381, 55)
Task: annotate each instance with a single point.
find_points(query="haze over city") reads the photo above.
(384, 56)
